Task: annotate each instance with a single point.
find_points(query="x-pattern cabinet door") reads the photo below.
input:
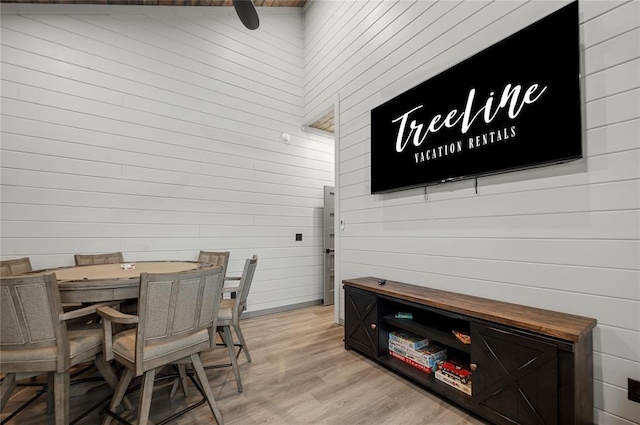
(516, 380)
(361, 322)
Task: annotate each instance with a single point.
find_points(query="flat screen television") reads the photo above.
(511, 106)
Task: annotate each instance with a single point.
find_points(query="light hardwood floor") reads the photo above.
(300, 374)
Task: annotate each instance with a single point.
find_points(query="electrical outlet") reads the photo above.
(298, 237)
(634, 390)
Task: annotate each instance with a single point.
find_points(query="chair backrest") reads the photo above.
(30, 308)
(89, 259)
(220, 258)
(245, 285)
(173, 306)
(15, 267)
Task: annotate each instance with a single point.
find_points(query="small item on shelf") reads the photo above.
(408, 340)
(464, 337)
(426, 356)
(401, 315)
(426, 360)
(431, 355)
(465, 388)
(463, 362)
(454, 371)
(409, 361)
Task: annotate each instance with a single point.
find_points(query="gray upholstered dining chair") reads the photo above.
(127, 306)
(15, 267)
(34, 339)
(230, 312)
(177, 315)
(90, 259)
(215, 258)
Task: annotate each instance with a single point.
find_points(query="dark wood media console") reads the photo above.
(529, 366)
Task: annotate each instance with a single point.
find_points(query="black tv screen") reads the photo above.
(514, 105)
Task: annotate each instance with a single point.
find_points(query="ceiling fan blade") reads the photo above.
(247, 13)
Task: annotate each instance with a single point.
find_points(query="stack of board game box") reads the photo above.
(454, 375)
(415, 351)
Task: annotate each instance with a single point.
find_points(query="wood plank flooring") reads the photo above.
(300, 374)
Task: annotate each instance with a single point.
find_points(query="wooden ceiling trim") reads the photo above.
(209, 3)
(324, 123)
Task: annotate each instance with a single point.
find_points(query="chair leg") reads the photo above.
(174, 387)
(61, 396)
(7, 387)
(242, 342)
(228, 340)
(181, 381)
(146, 392)
(110, 377)
(182, 371)
(121, 389)
(204, 383)
(50, 400)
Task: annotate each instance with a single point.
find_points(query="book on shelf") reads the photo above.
(458, 385)
(408, 340)
(426, 356)
(454, 370)
(410, 362)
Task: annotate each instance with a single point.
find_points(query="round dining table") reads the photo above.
(110, 282)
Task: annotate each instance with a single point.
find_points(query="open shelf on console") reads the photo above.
(423, 378)
(427, 331)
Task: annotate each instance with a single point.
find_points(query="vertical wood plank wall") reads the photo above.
(156, 131)
(564, 237)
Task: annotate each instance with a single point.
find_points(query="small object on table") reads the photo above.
(382, 281)
(128, 266)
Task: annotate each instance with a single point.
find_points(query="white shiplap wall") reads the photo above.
(563, 237)
(156, 131)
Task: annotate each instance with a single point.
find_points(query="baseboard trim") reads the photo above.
(257, 313)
